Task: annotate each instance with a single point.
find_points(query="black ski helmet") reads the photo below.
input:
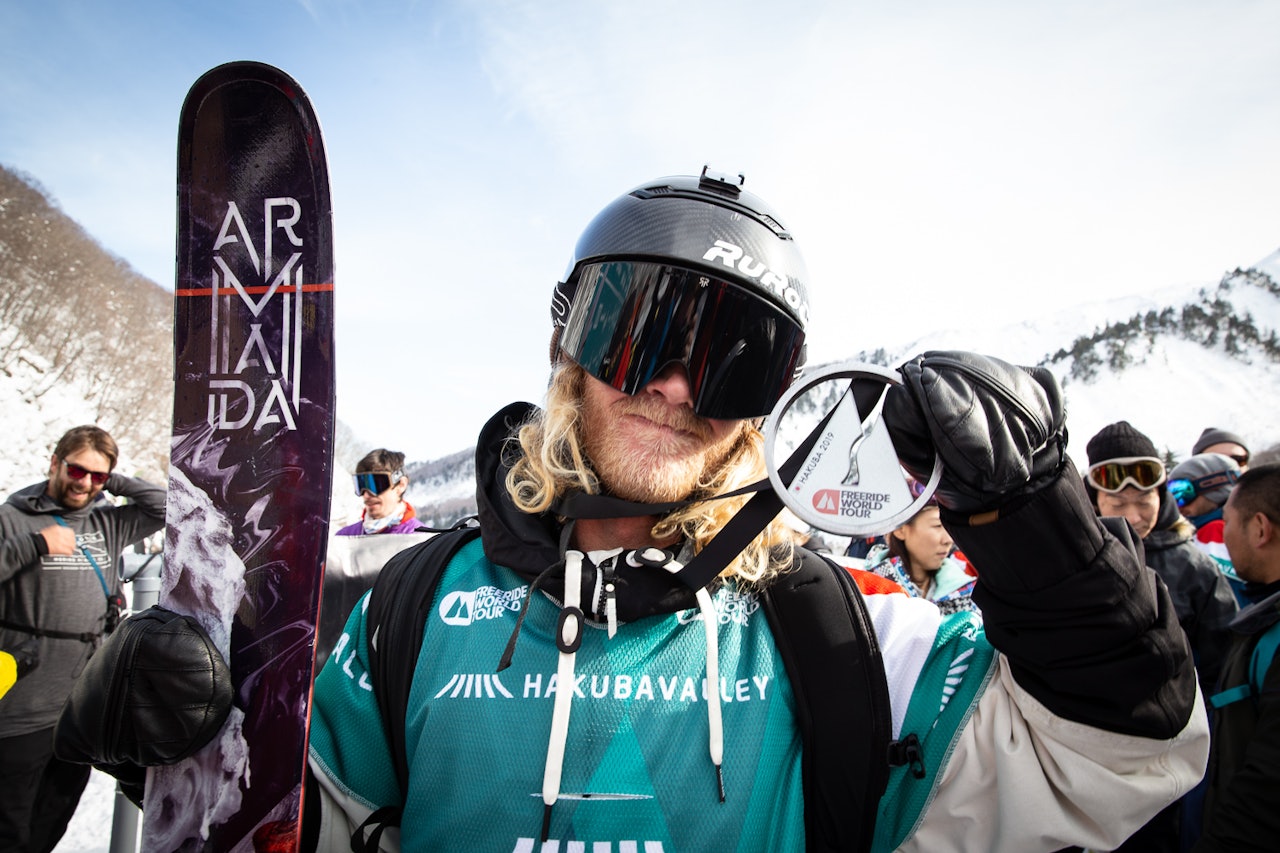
(689, 270)
(707, 222)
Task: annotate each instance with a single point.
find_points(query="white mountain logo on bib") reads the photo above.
(461, 608)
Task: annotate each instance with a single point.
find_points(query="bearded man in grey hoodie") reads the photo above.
(60, 541)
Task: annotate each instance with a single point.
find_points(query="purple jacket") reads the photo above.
(409, 524)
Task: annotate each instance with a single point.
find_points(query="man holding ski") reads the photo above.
(597, 671)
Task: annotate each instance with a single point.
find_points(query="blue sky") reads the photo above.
(943, 165)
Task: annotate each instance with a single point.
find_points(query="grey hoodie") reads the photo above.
(62, 594)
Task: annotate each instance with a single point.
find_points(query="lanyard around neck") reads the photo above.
(96, 568)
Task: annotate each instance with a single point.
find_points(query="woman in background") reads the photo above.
(919, 556)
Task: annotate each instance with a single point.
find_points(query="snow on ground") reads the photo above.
(90, 829)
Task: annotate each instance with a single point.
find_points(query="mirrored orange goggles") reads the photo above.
(1140, 472)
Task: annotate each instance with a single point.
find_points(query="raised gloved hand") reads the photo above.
(156, 691)
(998, 428)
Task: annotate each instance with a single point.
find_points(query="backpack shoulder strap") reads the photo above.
(398, 608)
(1264, 651)
(825, 637)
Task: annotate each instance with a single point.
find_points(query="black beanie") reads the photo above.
(1118, 441)
(1212, 436)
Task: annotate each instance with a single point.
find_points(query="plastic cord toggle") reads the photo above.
(569, 630)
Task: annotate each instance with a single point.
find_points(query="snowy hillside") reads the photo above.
(1171, 363)
(33, 421)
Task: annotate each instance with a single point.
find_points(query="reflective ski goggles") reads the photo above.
(75, 472)
(629, 320)
(1185, 491)
(376, 483)
(1113, 475)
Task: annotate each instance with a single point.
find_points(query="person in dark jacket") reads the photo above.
(1201, 595)
(1241, 811)
(1201, 485)
(1126, 478)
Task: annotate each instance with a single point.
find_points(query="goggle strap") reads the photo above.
(581, 505)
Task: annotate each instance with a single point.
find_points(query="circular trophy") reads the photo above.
(849, 481)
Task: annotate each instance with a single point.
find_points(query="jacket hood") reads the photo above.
(32, 500)
(531, 544)
(1171, 528)
(527, 544)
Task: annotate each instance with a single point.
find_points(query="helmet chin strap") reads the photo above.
(726, 545)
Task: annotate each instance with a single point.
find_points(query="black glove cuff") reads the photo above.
(1034, 541)
(1087, 628)
(156, 691)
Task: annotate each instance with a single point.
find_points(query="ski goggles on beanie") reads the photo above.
(1185, 491)
(1113, 475)
(376, 482)
(625, 322)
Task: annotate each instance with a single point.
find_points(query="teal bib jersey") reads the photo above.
(637, 775)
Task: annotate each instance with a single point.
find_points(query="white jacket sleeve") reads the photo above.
(1021, 779)
(341, 814)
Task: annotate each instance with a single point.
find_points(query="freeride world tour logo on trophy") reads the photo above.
(258, 315)
(846, 477)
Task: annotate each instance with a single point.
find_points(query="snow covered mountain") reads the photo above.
(1171, 363)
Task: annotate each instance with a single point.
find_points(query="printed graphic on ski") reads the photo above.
(250, 473)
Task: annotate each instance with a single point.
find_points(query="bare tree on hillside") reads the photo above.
(76, 313)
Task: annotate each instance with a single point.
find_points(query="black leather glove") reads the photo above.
(156, 691)
(998, 428)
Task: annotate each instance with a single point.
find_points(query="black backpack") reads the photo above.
(820, 626)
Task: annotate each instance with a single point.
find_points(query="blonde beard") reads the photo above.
(683, 456)
(553, 461)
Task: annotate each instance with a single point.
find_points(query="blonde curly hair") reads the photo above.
(549, 462)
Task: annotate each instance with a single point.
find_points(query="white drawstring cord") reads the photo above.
(569, 638)
(715, 725)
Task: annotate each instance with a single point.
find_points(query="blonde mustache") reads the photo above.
(678, 418)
